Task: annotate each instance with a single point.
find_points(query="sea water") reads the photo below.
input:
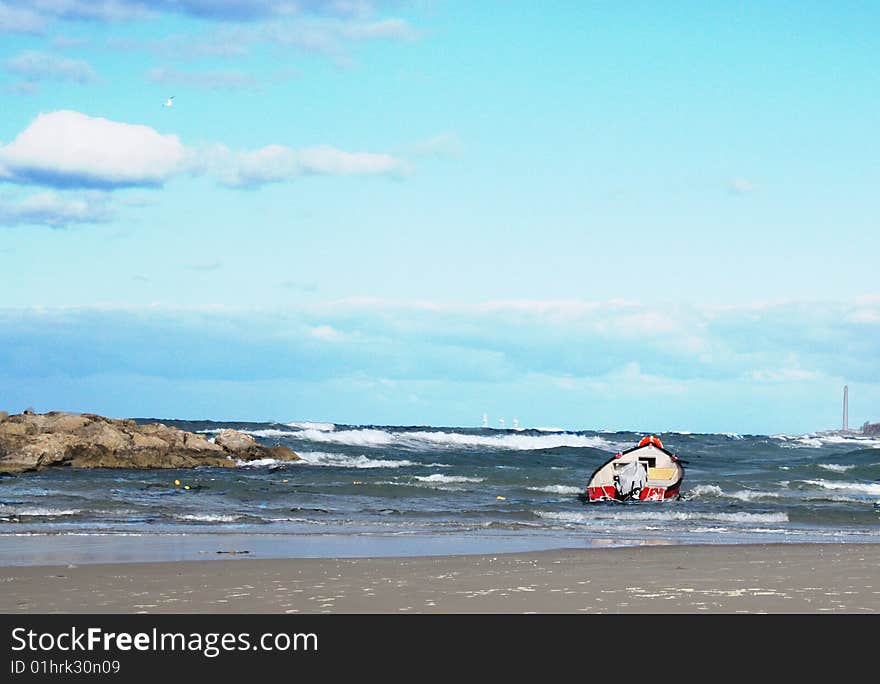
(364, 490)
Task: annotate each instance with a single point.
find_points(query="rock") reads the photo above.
(32, 441)
(247, 448)
(233, 439)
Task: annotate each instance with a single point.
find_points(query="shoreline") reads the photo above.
(688, 578)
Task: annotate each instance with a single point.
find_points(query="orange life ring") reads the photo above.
(651, 439)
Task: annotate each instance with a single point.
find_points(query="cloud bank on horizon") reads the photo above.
(359, 210)
(633, 367)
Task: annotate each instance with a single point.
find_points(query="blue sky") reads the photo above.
(587, 215)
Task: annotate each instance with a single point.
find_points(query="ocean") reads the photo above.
(368, 490)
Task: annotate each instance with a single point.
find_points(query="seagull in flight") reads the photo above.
(169, 101)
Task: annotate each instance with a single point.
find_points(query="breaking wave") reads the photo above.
(658, 515)
(370, 437)
(311, 425)
(324, 458)
(38, 512)
(864, 487)
(447, 479)
(557, 489)
(836, 467)
(702, 491)
(208, 517)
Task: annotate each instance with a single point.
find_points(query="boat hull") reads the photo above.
(647, 472)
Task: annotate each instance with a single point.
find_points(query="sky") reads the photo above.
(597, 215)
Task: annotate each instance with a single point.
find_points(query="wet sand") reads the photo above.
(773, 578)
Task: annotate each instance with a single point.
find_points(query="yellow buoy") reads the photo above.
(285, 480)
(177, 483)
(501, 498)
(357, 482)
(186, 486)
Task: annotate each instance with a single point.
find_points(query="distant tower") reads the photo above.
(515, 424)
(485, 420)
(845, 408)
(501, 422)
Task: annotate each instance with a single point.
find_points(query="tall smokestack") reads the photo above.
(846, 407)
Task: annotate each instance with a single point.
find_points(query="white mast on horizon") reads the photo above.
(846, 408)
(485, 420)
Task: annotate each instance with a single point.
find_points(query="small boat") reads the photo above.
(647, 472)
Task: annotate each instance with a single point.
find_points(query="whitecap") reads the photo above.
(866, 487)
(312, 425)
(419, 439)
(704, 490)
(323, 458)
(447, 479)
(39, 511)
(741, 495)
(260, 463)
(557, 489)
(207, 517)
(658, 515)
(836, 467)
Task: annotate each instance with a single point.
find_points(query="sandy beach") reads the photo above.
(776, 578)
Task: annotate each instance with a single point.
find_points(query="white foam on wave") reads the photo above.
(816, 441)
(658, 515)
(207, 517)
(711, 490)
(267, 432)
(865, 487)
(704, 490)
(259, 463)
(447, 479)
(366, 437)
(312, 425)
(751, 495)
(38, 511)
(270, 432)
(557, 489)
(330, 459)
(836, 467)
(416, 439)
(852, 440)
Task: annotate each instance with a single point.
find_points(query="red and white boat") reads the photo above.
(647, 472)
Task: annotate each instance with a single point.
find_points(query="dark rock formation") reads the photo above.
(871, 429)
(32, 441)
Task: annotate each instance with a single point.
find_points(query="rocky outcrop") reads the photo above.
(32, 441)
(871, 429)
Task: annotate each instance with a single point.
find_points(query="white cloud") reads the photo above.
(39, 66)
(331, 36)
(19, 19)
(55, 210)
(277, 163)
(741, 186)
(211, 80)
(785, 375)
(383, 29)
(67, 149)
(865, 316)
(443, 145)
(327, 333)
(89, 10)
(216, 10)
(70, 149)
